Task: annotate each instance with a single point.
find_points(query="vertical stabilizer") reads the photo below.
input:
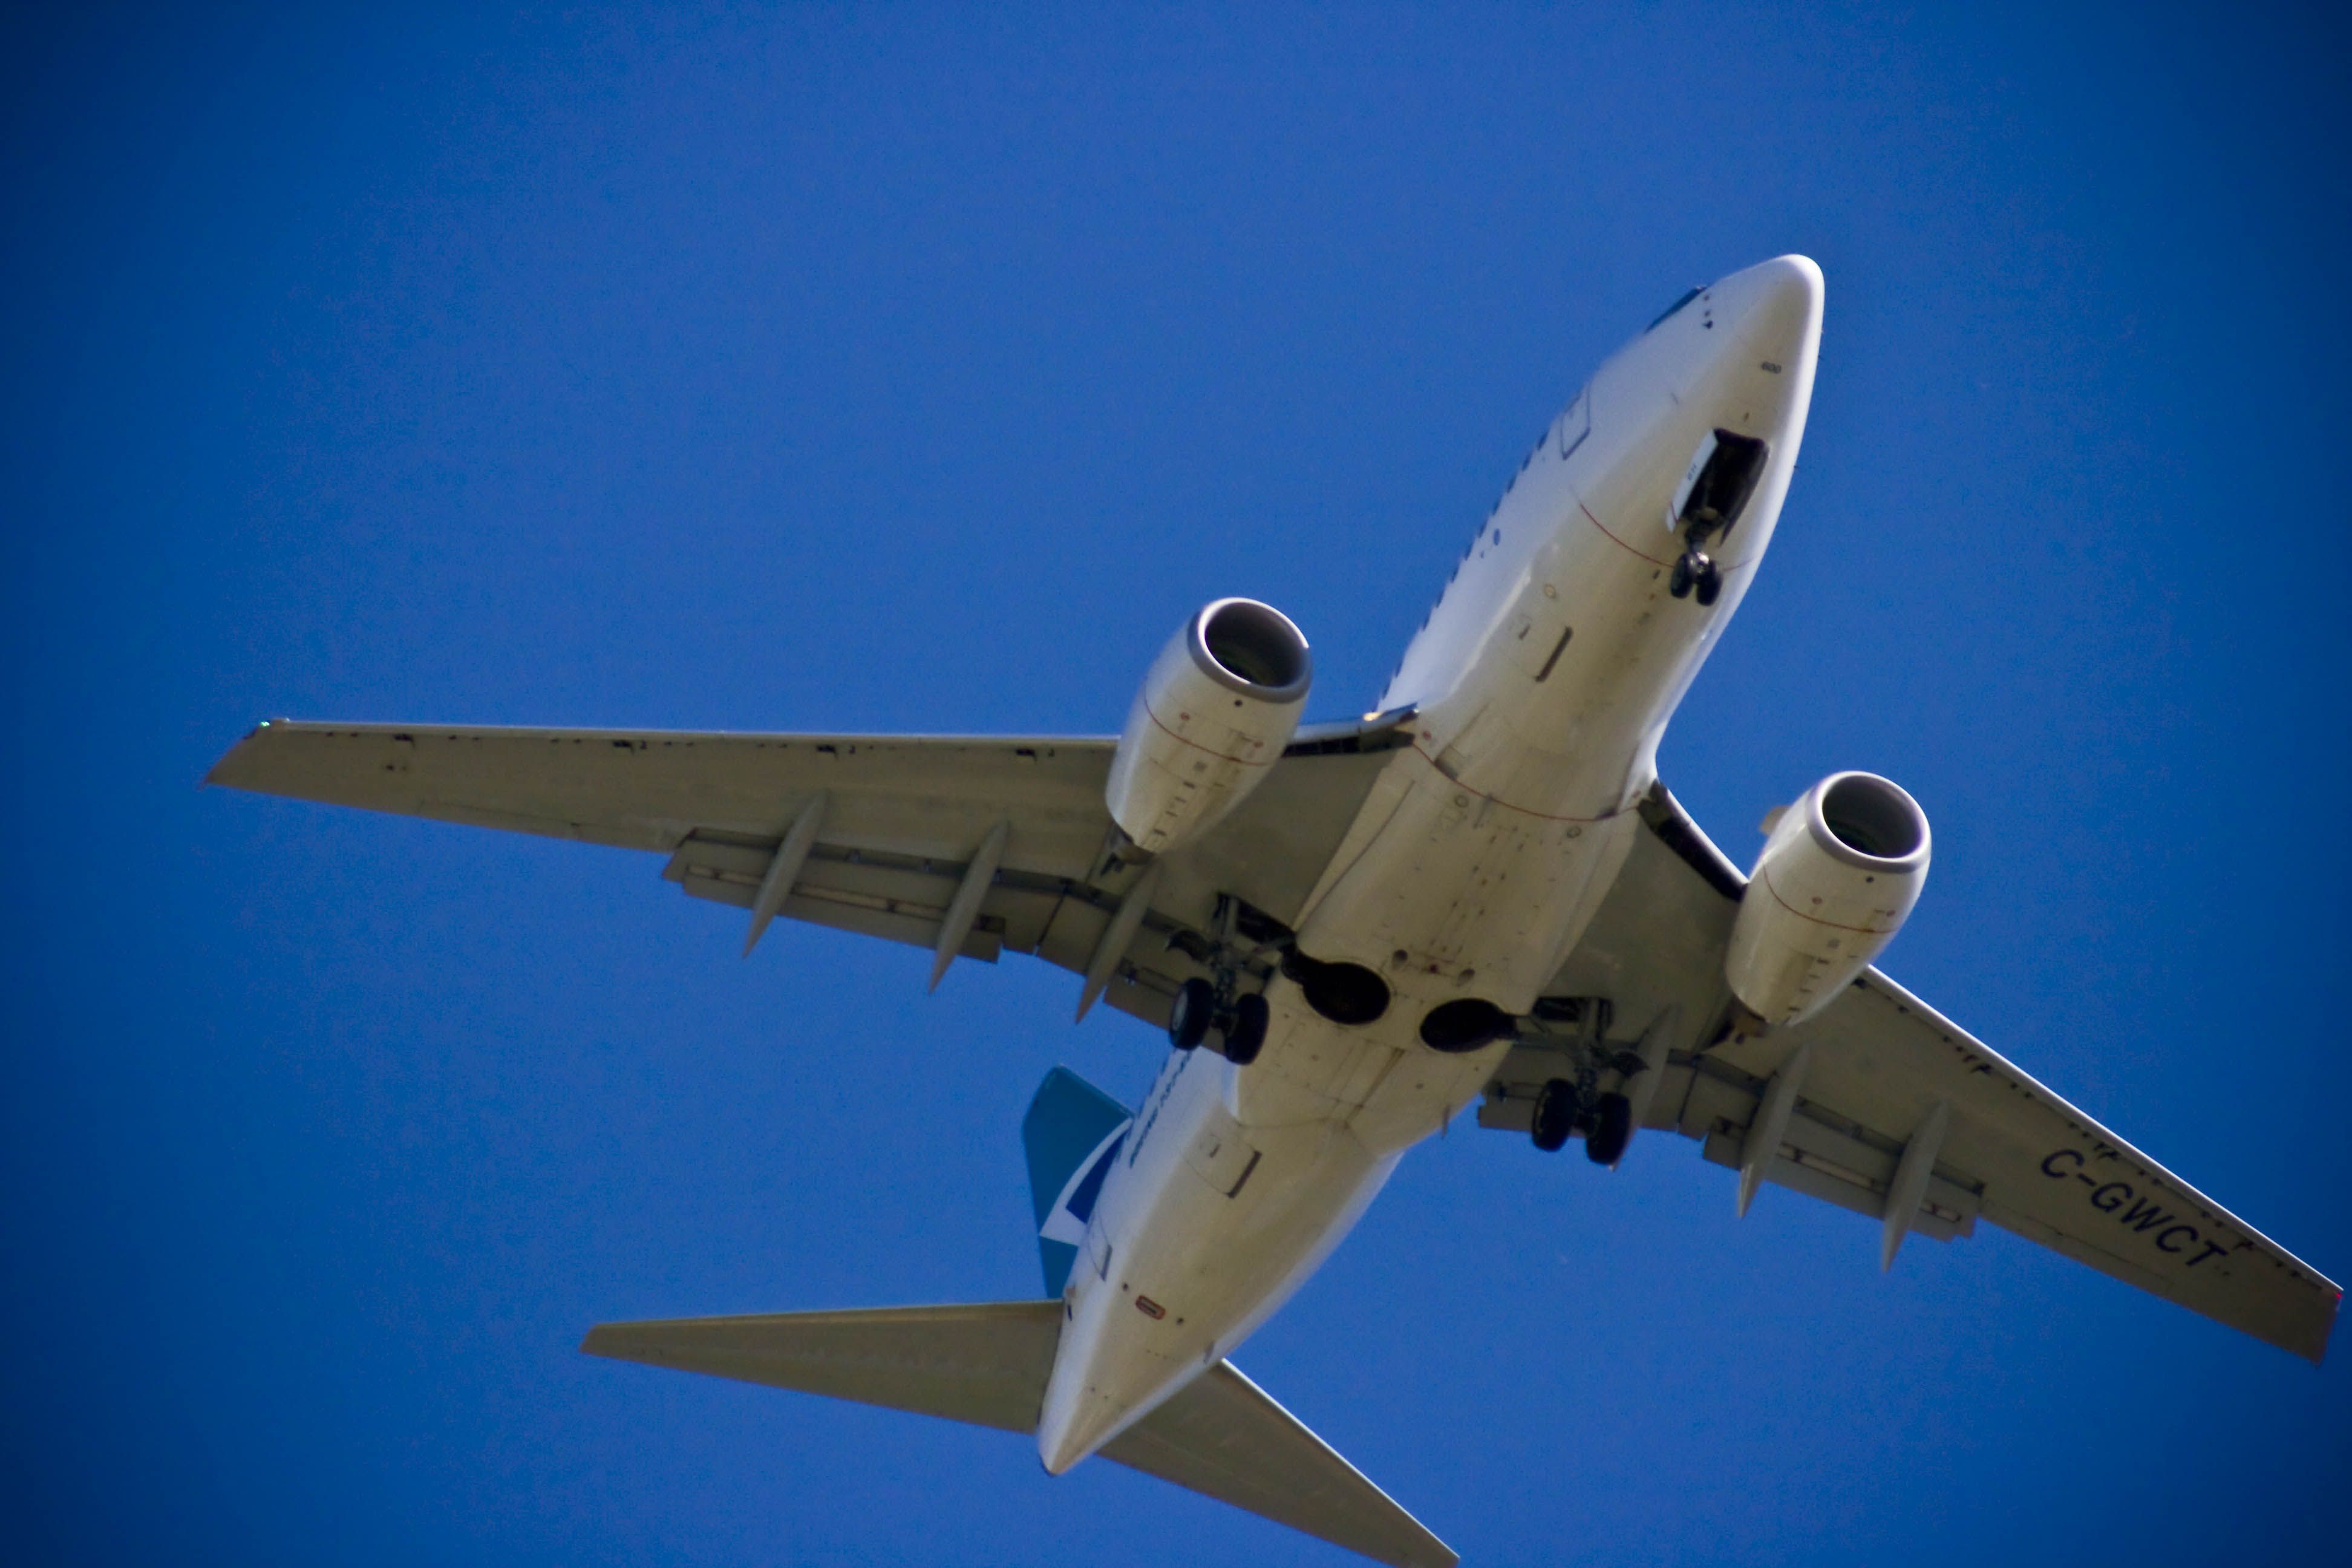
(1071, 1134)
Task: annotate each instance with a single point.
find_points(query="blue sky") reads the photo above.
(903, 368)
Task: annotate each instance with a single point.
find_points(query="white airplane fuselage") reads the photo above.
(1543, 680)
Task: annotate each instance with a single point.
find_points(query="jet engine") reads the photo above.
(1220, 704)
(1840, 871)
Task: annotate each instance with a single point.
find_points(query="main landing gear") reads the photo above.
(1241, 950)
(1572, 1081)
(1605, 1120)
(1240, 1023)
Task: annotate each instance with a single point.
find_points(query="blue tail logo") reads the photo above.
(1071, 1134)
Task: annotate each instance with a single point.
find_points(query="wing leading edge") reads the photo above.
(966, 846)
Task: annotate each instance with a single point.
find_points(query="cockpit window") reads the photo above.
(1675, 306)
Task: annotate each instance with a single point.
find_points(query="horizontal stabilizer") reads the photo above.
(1222, 1436)
(987, 1364)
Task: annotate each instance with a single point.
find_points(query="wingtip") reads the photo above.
(2317, 1353)
(216, 776)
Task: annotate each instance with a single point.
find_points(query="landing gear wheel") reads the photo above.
(1709, 581)
(1679, 584)
(1190, 1015)
(1245, 1035)
(1555, 1117)
(1612, 1129)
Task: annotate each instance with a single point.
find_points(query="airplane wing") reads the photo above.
(1882, 1074)
(967, 845)
(894, 829)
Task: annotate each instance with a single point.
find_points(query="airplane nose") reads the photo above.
(1778, 301)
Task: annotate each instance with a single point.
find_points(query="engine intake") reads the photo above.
(1840, 872)
(1216, 709)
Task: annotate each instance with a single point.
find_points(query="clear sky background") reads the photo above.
(921, 370)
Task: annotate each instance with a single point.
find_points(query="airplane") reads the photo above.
(1480, 892)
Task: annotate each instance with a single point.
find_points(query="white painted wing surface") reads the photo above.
(897, 822)
(2011, 1152)
(649, 789)
(987, 1364)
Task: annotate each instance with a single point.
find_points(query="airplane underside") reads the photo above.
(1471, 869)
(1479, 895)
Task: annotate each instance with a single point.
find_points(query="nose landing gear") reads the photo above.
(1696, 572)
(1713, 492)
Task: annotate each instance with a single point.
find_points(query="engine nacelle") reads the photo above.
(1840, 871)
(1220, 704)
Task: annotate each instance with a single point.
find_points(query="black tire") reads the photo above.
(1190, 1015)
(1612, 1129)
(1679, 584)
(1245, 1036)
(1709, 583)
(1554, 1116)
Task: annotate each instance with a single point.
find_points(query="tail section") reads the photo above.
(1071, 1134)
(987, 1364)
